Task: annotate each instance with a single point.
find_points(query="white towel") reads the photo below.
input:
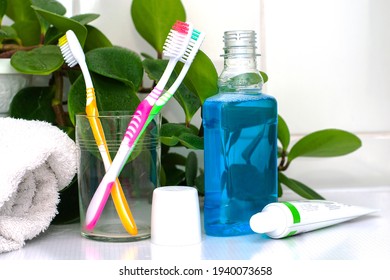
(37, 160)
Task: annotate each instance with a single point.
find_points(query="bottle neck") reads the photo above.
(240, 68)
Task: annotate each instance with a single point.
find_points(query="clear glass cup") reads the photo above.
(138, 178)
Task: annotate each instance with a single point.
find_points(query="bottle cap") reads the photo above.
(175, 216)
(264, 222)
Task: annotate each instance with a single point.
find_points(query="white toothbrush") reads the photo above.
(73, 54)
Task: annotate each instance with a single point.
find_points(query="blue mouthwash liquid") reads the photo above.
(240, 158)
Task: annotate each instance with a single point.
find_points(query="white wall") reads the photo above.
(328, 63)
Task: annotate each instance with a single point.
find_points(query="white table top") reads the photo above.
(367, 237)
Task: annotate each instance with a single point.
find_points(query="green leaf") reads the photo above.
(25, 20)
(95, 39)
(280, 189)
(173, 159)
(117, 63)
(283, 133)
(3, 9)
(84, 19)
(298, 187)
(28, 31)
(264, 76)
(191, 141)
(202, 77)
(162, 176)
(153, 19)
(63, 24)
(52, 35)
(325, 143)
(170, 133)
(19, 10)
(39, 61)
(155, 68)
(7, 32)
(191, 169)
(199, 183)
(73, 74)
(111, 95)
(33, 103)
(169, 141)
(50, 5)
(174, 176)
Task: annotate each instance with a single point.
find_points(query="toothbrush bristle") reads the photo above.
(193, 45)
(195, 34)
(62, 41)
(66, 52)
(181, 27)
(176, 41)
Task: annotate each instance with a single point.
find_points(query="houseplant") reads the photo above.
(117, 74)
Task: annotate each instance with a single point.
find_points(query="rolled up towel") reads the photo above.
(37, 160)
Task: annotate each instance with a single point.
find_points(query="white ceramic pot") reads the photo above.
(11, 82)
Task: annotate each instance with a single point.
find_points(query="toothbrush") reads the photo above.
(73, 55)
(196, 41)
(174, 47)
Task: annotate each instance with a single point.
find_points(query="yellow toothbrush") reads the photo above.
(73, 54)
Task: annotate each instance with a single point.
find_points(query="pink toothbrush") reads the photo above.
(174, 48)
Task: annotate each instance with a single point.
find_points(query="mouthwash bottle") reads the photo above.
(240, 142)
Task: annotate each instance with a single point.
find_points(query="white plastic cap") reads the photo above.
(264, 222)
(175, 217)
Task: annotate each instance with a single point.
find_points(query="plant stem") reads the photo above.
(284, 163)
(145, 90)
(7, 50)
(57, 100)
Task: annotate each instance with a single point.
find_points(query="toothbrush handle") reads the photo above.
(139, 118)
(118, 196)
(99, 199)
(132, 134)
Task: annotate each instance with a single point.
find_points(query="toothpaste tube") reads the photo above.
(282, 219)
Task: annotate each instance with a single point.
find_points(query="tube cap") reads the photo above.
(264, 222)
